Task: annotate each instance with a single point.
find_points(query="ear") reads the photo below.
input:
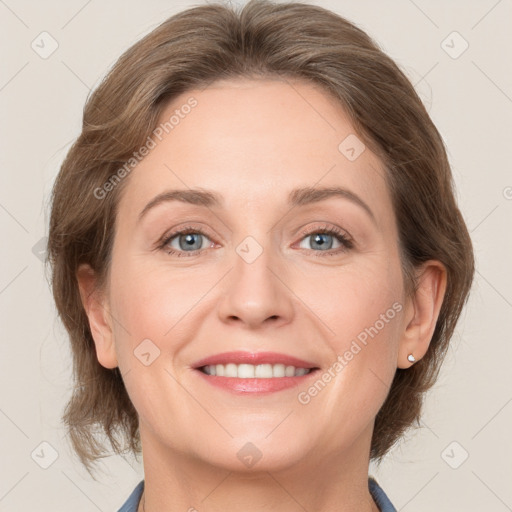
(98, 312)
(422, 312)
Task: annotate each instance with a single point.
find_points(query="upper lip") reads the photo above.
(254, 358)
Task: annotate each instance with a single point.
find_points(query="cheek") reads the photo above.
(362, 310)
(150, 300)
(359, 300)
(157, 303)
(150, 310)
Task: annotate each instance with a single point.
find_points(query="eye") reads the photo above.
(185, 242)
(190, 241)
(321, 241)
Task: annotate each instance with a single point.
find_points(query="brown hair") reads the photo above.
(190, 50)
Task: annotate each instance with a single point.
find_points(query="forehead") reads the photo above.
(254, 141)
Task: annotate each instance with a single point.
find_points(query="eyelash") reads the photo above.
(346, 242)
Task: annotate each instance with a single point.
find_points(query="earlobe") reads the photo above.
(98, 312)
(424, 309)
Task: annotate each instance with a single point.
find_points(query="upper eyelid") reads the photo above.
(179, 231)
(205, 231)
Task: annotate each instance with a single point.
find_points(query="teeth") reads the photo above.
(250, 371)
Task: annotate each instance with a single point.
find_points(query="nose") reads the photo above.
(255, 294)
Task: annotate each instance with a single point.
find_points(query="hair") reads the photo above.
(193, 49)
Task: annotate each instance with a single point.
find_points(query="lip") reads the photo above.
(255, 358)
(258, 386)
(255, 386)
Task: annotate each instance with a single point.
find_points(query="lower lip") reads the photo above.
(256, 385)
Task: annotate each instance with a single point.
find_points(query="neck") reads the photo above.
(322, 482)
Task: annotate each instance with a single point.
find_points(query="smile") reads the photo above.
(250, 371)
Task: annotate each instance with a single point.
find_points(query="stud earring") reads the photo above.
(411, 358)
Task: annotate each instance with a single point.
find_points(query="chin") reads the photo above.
(241, 455)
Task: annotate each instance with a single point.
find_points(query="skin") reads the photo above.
(252, 142)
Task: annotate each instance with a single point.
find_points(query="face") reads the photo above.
(261, 271)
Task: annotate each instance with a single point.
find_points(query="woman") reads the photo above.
(259, 259)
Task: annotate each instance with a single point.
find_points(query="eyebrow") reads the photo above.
(297, 197)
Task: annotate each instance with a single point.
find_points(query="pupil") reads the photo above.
(320, 240)
(189, 238)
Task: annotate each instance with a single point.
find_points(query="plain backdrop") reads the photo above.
(460, 458)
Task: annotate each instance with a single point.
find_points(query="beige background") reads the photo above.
(469, 99)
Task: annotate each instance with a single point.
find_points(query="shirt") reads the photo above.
(378, 495)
